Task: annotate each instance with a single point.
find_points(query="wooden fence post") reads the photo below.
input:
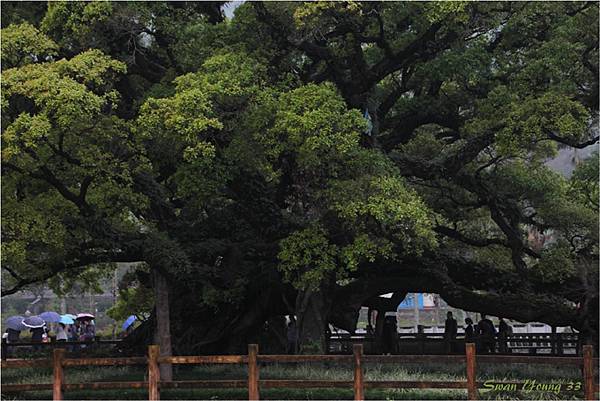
(253, 393)
(588, 372)
(471, 376)
(59, 376)
(359, 389)
(153, 373)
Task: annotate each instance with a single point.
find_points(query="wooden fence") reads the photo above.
(254, 383)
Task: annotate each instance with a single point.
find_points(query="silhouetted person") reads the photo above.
(13, 336)
(450, 330)
(389, 336)
(487, 332)
(469, 331)
(292, 336)
(504, 331)
(36, 337)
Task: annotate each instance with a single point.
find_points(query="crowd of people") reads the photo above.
(78, 331)
(483, 334)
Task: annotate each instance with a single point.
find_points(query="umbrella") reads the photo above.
(66, 319)
(85, 316)
(128, 322)
(50, 317)
(34, 322)
(15, 323)
(70, 315)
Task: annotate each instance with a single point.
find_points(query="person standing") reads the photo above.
(12, 336)
(487, 333)
(37, 335)
(469, 331)
(61, 333)
(504, 331)
(292, 336)
(73, 335)
(389, 340)
(90, 331)
(450, 331)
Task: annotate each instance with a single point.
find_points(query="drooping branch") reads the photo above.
(70, 263)
(571, 143)
(458, 284)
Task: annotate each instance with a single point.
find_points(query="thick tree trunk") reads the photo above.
(162, 334)
(312, 312)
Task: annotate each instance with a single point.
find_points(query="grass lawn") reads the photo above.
(413, 372)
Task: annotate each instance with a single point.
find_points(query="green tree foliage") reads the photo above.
(24, 44)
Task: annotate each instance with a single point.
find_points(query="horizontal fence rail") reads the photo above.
(254, 383)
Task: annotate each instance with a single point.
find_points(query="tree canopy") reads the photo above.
(304, 157)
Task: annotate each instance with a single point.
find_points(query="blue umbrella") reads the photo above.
(66, 319)
(128, 322)
(50, 317)
(15, 323)
(33, 322)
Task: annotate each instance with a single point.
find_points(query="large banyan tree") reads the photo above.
(302, 158)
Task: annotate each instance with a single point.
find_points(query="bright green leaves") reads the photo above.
(521, 122)
(365, 249)
(75, 24)
(438, 11)
(24, 133)
(93, 69)
(200, 119)
(225, 81)
(54, 107)
(233, 76)
(532, 119)
(307, 257)
(400, 214)
(314, 123)
(24, 44)
(59, 129)
(187, 115)
(69, 93)
(379, 215)
(319, 15)
(58, 113)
